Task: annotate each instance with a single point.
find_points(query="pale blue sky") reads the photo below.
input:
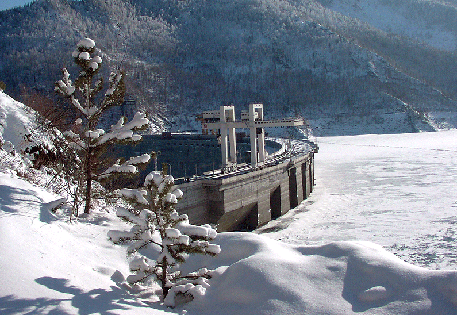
(8, 4)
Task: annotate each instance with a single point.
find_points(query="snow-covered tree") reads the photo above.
(89, 141)
(156, 224)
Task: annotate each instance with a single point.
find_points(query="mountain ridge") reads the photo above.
(182, 57)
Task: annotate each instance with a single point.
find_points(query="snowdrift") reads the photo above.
(270, 277)
(16, 121)
(51, 265)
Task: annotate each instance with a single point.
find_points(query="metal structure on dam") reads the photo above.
(243, 197)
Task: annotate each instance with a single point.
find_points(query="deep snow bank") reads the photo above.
(50, 265)
(270, 277)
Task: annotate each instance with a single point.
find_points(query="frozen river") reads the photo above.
(399, 191)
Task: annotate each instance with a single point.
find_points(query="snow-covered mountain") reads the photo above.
(430, 22)
(334, 62)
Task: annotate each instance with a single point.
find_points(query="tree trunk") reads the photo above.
(88, 170)
(164, 278)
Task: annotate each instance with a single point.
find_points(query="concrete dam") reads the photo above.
(235, 181)
(243, 197)
(245, 201)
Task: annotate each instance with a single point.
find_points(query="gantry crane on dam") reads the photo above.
(223, 122)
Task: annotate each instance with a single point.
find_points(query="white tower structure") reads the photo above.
(227, 117)
(257, 135)
(253, 120)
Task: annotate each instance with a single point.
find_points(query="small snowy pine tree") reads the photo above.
(157, 224)
(91, 143)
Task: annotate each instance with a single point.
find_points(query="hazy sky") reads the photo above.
(8, 4)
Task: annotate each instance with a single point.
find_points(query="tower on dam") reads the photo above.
(223, 122)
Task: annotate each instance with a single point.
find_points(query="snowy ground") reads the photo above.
(394, 190)
(398, 191)
(51, 266)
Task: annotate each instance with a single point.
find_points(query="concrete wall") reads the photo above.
(244, 202)
(195, 202)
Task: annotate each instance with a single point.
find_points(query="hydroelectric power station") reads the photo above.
(230, 180)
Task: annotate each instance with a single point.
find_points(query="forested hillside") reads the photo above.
(313, 58)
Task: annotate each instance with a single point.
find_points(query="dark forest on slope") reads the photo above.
(296, 56)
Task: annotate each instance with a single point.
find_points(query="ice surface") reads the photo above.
(398, 191)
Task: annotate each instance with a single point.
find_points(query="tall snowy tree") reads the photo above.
(158, 225)
(89, 141)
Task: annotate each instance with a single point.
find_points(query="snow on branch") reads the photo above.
(160, 225)
(65, 86)
(129, 166)
(203, 231)
(135, 195)
(122, 131)
(114, 81)
(193, 286)
(86, 43)
(85, 56)
(142, 268)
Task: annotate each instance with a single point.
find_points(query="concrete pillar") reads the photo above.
(285, 194)
(304, 179)
(256, 114)
(264, 213)
(224, 146)
(307, 175)
(275, 202)
(232, 141)
(311, 171)
(261, 142)
(253, 136)
(252, 220)
(300, 196)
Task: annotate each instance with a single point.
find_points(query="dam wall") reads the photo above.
(243, 202)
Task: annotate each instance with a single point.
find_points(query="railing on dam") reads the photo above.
(295, 148)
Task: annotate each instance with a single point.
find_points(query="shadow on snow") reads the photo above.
(97, 301)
